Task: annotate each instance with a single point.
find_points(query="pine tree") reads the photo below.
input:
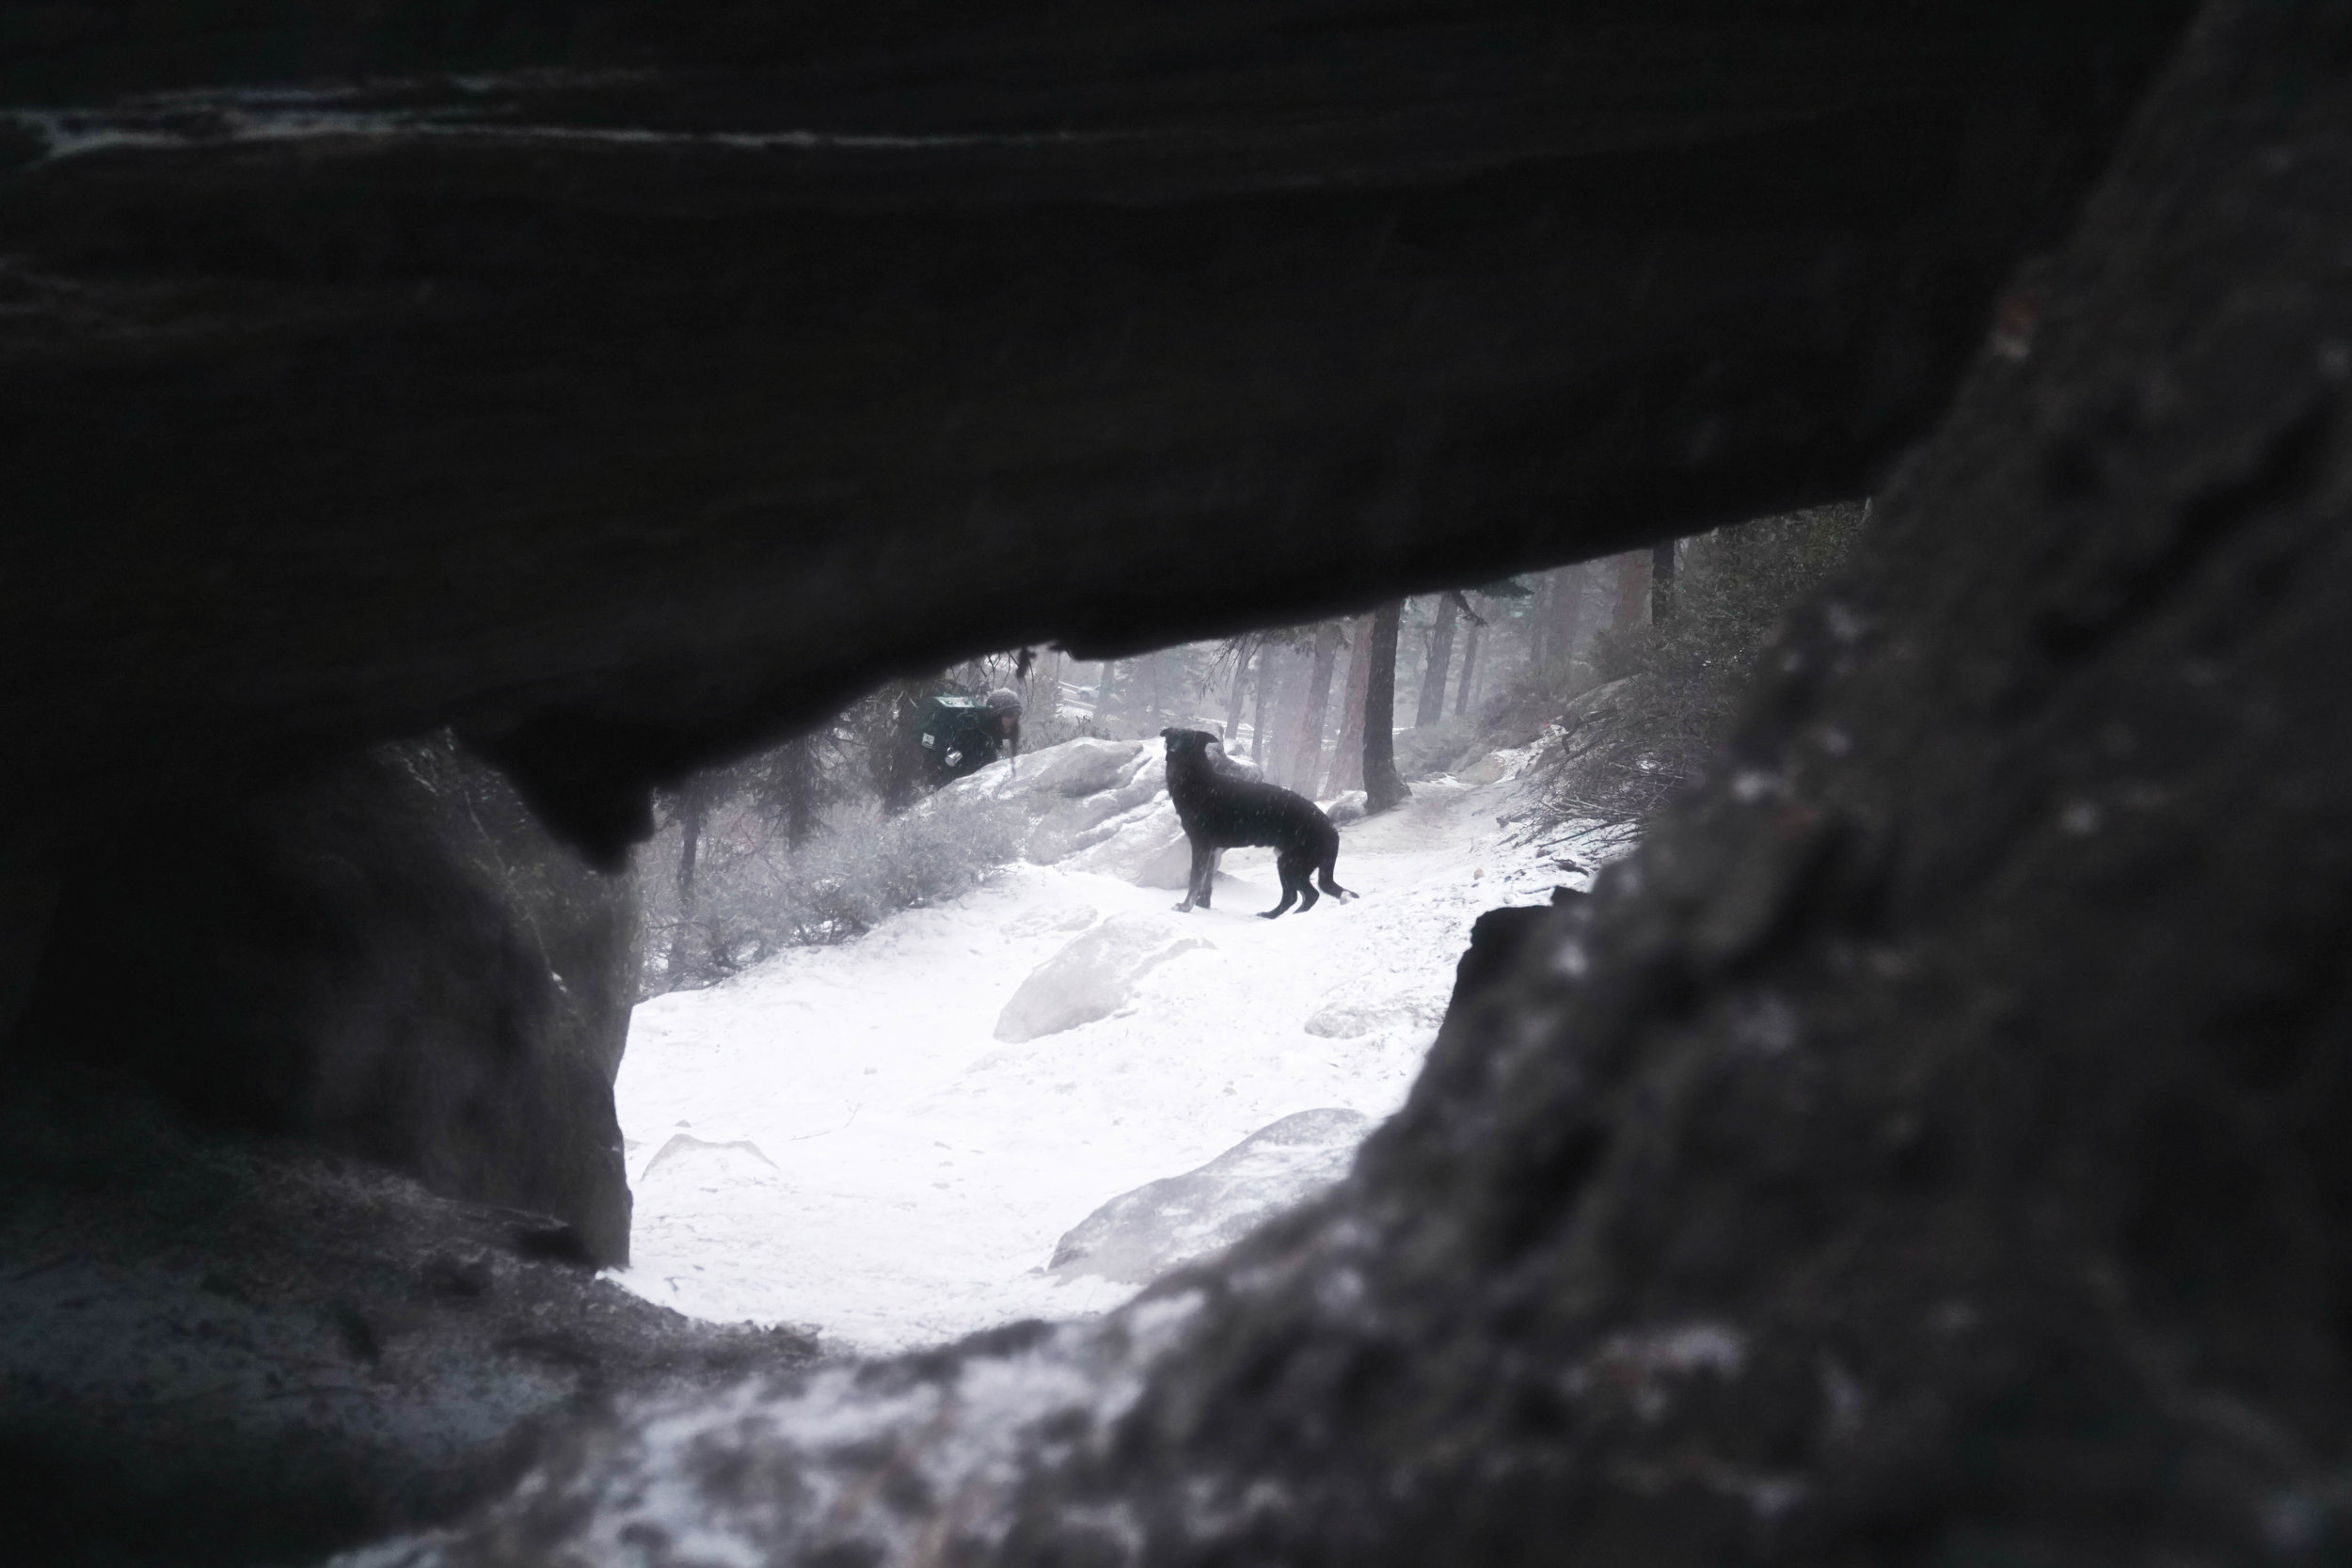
(1470, 667)
(1243, 649)
(1347, 759)
(1431, 707)
(1306, 759)
(1269, 681)
(1384, 788)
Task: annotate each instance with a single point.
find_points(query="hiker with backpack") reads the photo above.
(962, 735)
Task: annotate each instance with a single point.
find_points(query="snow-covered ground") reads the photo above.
(859, 1138)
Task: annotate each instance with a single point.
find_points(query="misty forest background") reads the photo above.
(1625, 672)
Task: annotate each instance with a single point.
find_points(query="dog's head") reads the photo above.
(1188, 743)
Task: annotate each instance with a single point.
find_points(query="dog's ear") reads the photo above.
(1169, 733)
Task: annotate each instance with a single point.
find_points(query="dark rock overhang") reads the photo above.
(628, 386)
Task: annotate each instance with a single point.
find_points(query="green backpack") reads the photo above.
(948, 723)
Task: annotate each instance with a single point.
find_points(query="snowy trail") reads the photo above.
(900, 1177)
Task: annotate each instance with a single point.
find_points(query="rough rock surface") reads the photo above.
(1138, 1236)
(373, 959)
(244, 1353)
(1086, 766)
(1084, 794)
(625, 383)
(629, 382)
(1927, 1149)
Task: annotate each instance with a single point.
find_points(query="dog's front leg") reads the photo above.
(1194, 893)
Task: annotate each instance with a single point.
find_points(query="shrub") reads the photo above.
(1447, 746)
(755, 896)
(1667, 697)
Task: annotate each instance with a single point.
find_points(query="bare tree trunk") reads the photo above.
(1383, 788)
(1269, 682)
(892, 759)
(1041, 689)
(1633, 589)
(1243, 649)
(1431, 707)
(1307, 749)
(1539, 623)
(690, 805)
(1347, 758)
(1662, 583)
(1105, 680)
(1156, 665)
(796, 788)
(1275, 754)
(1567, 612)
(1469, 669)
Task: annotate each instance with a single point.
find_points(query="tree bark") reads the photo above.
(1633, 589)
(690, 805)
(1269, 681)
(892, 760)
(1431, 707)
(1662, 583)
(1347, 758)
(1568, 611)
(1306, 759)
(1469, 669)
(1162, 711)
(796, 781)
(1383, 788)
(1539, 622)
(1245, 649)
(1105, 681)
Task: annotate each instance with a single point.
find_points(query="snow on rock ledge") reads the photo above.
(1092, 977)
(1099, 803)
(1138, 1236)
(1082, 767)
(1150, 850)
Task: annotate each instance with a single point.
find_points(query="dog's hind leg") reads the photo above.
(1296, 886)
(1292, 883)
(1302, 871)
(1331, 884)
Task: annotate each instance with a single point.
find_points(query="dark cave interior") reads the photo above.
(624, 386)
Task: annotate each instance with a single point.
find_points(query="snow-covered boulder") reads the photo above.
(1138, 847)
(1347, 808)
(1145, 781)
(1171, 864)
(1079, 768)
(1086, 795)
(1140, 1235)
(1075, 768)
(1487, 769)
(1235, 768)
(1068, 827)
(1094, 976)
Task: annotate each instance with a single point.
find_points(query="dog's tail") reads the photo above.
(1330, 859)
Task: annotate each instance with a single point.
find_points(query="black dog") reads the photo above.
(1220, 810)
